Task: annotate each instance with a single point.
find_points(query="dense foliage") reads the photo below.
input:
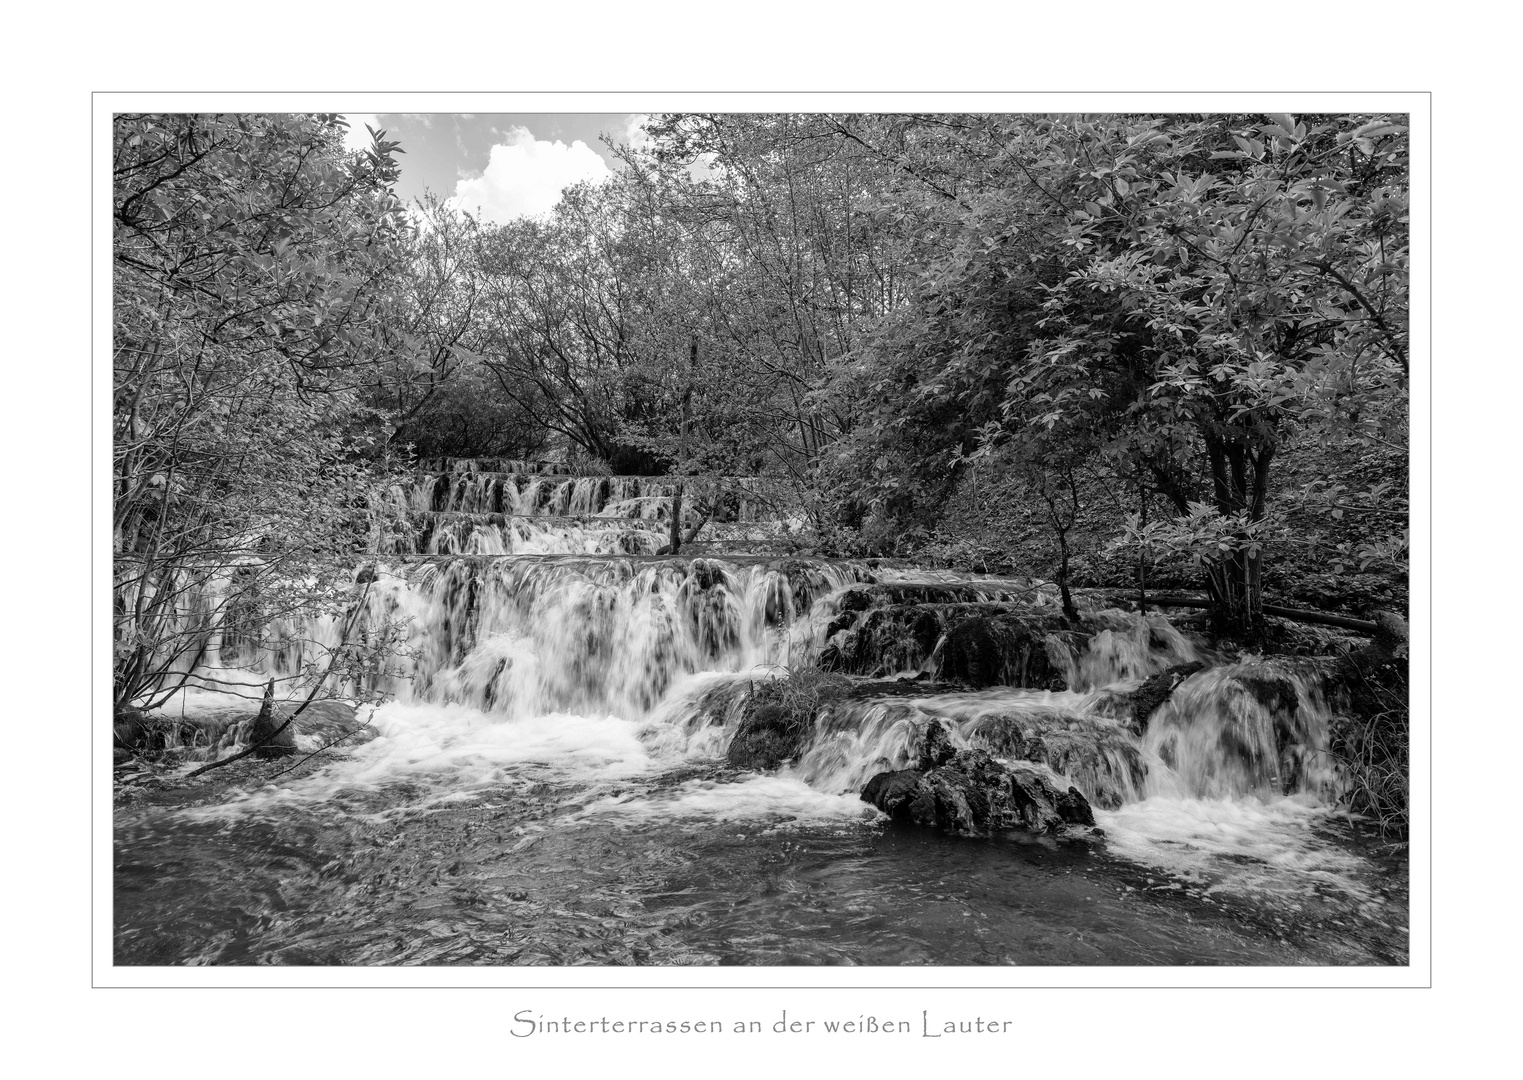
(255, 270)
(1114, 350)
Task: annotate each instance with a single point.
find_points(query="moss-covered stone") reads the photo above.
(1012, 649)
(778, 718)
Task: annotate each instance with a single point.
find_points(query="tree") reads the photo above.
(255, 266)
(1187, 297)
(1230, 286)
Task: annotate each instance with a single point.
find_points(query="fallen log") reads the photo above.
(1320, 618)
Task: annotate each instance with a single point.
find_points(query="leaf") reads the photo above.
(1376, 129)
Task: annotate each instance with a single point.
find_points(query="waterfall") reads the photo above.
(520, 592)
(543, 677)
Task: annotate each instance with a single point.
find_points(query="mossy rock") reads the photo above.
(1002, 650)
(767, 738)
(778, 718)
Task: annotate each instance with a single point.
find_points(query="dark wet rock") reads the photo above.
(778, 716)
(854, 600)
(1008, 650)
(888, 790)
(844, 621)
(936, 748)
(765, 739)
(1073, 808)
(270, 731)
(968, 793)
(1097, 753)
(1145, 700)
(898, 637)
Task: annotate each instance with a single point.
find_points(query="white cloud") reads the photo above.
(357, 137)
(634, 132)
(526, 175)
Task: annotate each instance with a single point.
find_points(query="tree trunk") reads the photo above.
(1070, 612)
(675, 542)
(1235, 585)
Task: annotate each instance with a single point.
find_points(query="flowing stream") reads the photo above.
(545, 782)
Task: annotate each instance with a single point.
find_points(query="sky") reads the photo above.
(501, 165)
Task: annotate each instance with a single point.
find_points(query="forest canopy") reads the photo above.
(1112, 350)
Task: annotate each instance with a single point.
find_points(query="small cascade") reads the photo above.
(1243, 730)
(503, 507)
(515, 589)
(523, 636)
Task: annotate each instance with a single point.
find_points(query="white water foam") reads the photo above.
(452, 752)
(1237, 846)
(780, 801)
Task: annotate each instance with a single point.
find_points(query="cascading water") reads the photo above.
(558, 704)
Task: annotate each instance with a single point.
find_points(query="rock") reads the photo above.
(765, 739)
(1145, 700)
(968, 793)
(1391, 633)
(778, 717)
(844, 621)
(937, 748)
(854, 600)
(1101, 758)
(887, 790)
(1073, 808)
(330, 720)
(1003, 650)
(277, 741)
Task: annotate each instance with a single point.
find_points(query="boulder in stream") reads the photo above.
(968, 793)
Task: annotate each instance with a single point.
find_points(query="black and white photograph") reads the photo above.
(763, 537)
